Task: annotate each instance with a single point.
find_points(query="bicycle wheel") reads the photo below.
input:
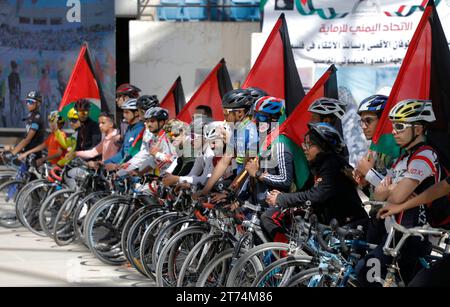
(103, 228)
(174, 254)
(81, 211)
(23, 192)
(308, 278)
(31, 205)
(135, 236)
(8, 199)
(149, 239)
(63, 232)
(126, 228)
(168, 232)
(279, 273)
(50, 208)
(253, 262)
(215, 272)
(200, 255)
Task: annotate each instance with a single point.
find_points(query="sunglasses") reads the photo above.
(74, 120)
(400, 127)
(366, 121)
(30, 101)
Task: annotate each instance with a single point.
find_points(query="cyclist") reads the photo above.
(162, 153)
(55, 142)
(107, 148)
(373, 168)
(141, 153)
(275, 168)
(333, 195)
(203, 164)
(89, 133)
(124, 92)
(70, 142)
(413, 172)
(177, 131)
(34, 125)
(244, 139)
(135, 126)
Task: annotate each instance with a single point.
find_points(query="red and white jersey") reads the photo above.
(418, 167)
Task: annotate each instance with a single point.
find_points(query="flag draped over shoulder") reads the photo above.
(210, 94)
(293, 129)
(174, 100)
(83, 83)
(275, 70)
(424, 74)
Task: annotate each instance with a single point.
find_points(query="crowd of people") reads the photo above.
(53, 40)
(211, 155)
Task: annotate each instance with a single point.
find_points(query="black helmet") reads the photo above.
(82, 104)
(35, 95)
(129, 90)
(256, 93)
(238, 98)
(158, 113)
(146, 102)
(326, 136)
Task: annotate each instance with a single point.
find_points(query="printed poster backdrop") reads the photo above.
(39, 44)
(366, 39)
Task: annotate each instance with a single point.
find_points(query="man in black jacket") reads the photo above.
(89, 134)
(334, 193)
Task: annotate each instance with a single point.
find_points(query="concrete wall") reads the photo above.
(161, 51)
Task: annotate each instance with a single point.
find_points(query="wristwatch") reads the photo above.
(258, 174)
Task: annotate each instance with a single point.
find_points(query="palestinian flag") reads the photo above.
(83, 83)
(210, 94)
(275, 70)
(293, 129)
(174, 100)
(424, 74)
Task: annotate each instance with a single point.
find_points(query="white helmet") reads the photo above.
(215, 130)
(130, 104)
(327, 106)
(412, 110)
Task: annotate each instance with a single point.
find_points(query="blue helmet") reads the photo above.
(268, 108)
(374, 103)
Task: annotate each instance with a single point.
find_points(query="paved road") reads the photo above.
(29, 260)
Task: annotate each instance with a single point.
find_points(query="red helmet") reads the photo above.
(129, 90)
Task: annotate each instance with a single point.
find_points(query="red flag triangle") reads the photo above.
(210, 93)
(275, 70)
(174, 99)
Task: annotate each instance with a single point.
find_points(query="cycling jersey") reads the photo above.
(202, 169)
(278, 163)
(68, 144)
(421, 167)
(129, 137)
(34, 122)
(53, 146)
(245, 141)
(160, 162)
